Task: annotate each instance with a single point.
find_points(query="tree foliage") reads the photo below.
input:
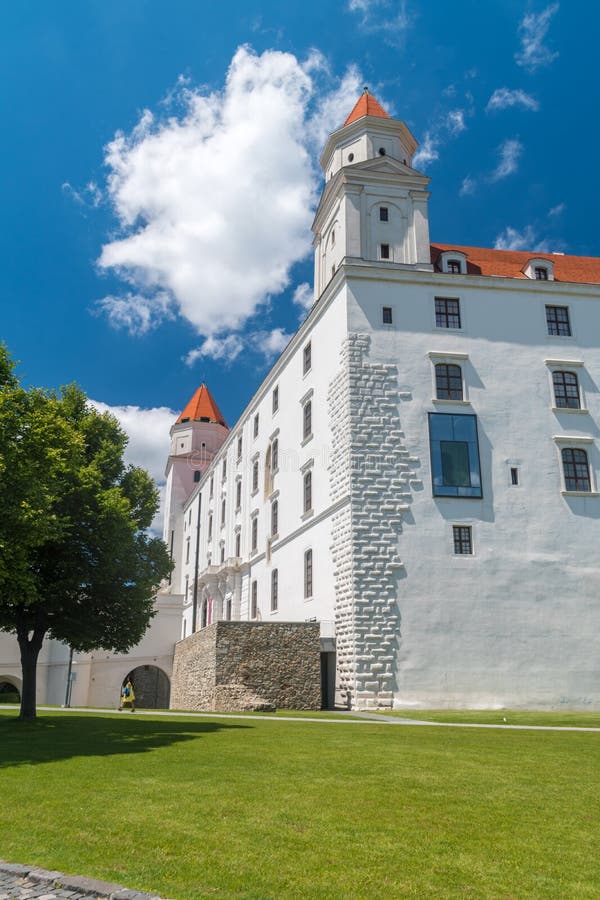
(76, 560)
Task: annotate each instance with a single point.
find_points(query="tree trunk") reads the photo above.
(30, 650)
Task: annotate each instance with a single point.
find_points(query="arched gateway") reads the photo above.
(151, 687)
(9, 692)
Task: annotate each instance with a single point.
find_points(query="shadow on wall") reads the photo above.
(66, 736)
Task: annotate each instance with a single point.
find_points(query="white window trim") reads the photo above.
(466, 523)
(448, 295)
(582, 442)
(555, 365)
(558, 301)
(437, 357)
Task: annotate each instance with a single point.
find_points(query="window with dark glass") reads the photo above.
(197, 475)
(254, 533)
(448, 382)
(557, 318)
(308, 574)
(307, 492)
(463, 539)
(223, 553)
(454, 266)
(275, 399)
(386, 314)
(254, 600)
(566, 390)
(384, 251)
(238, 544)
(447, 313)
(187, 550)
(384, 214)
(209, 527)
(274, 454)
(514, 475)
(238, 494)
(307, 358)
(274, 517)
(540, 273)
(240, 447)
(454, 450)
(256, 425)
(274, 589)
(224, 475)
(307, 420)
(222, 513)
(576, 470)
(212, 485)
(255, 476)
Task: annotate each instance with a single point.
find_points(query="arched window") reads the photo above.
(307, 492)
(307, 420)
(274, 455)
(566, 390)
(254, 476)
(308, 575)
(274, 517)
(197, 475)
(448, 382)
(274, 590)
(576, 470)
(254, 601)
(254, 533)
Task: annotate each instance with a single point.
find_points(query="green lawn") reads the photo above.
(258, 809)
(503, 717)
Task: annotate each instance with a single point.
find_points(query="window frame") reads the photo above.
(566, 407)
(254, 534)
(274, 590)
(459, 314)
(577, 442)
(553, 307)
(307, 358)
(274, 518)
(384, 214)
(385, 255)
(455, 491)
(449, 377)
(256, 425)
(255, 476)
(577, 481)
(307, 431)
(387, 310)
(307, 508)
(275, 399)
(254, 599)
(462, 537)
(308, 574)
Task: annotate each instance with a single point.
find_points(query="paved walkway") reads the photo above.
(338, 717)
(29, 883)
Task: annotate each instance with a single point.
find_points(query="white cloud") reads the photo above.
(510, 152)
(303, 296)
(148, 447)
(427, 152)
(504, 98)
(512, 239)
(271, 343)
(216, 201)
(557, 210)
(533, 31)
(226, 348)
(468, 186)
(455, 121)
(90, 195)
(381, 16)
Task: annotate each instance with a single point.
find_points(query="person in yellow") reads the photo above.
(127, 696)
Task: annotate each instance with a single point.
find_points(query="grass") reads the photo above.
(256, 809)
(503, 717)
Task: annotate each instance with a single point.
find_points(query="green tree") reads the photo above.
(76, 560)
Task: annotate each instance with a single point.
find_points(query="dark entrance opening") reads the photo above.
(327, 680)
(151, 687)
(9, 693)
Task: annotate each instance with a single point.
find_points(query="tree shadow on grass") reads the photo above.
(52, 738)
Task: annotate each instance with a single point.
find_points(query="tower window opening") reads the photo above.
(382, 151)
(351, 157)
(514, 475)
(384, 251)
(383, 214)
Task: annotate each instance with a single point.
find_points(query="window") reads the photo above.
(454, 455)
(224, 475)
(254, 533)
(384, 215)
(187, 585)
(386, 315)
(254, 476)
(463, 539)
(275, 399)
(447, 313)
(448, 382)
(307, 420)
(333, 238)
(256, 425)
(209, 527)
(222, 513)
(238, 494)
(384, 251)
(274, 590)
(212, 485)
(254, 600)
(223, 553)
(454, 266)
(576, 470)
(566, 390)
(274, 518)
(540, 273)
(197, 475)
(228, 610)
(308, 575)
(307, 358)
(275, 454)
(187, 550)
(307, 491)
(240, 447)
(238, 544)
(514, 475)
(557, 318)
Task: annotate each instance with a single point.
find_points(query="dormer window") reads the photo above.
(454, 266)
(539, 270)
(453, 262)
(384, 214)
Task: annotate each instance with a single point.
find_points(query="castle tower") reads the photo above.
(196, 437)
(374, 205)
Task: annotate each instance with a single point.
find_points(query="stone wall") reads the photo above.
(248, 665)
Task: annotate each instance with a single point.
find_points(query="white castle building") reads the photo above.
(418, 472)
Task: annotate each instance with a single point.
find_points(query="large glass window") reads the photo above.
(557, 318)
(447, 313)
(454, 455)
(566, 390)
(448, 382)
(576, 470)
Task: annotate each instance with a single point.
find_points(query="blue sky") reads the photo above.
(159, 170)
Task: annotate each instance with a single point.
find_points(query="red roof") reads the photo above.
(202, 408)
(366, 105)
(511, 263)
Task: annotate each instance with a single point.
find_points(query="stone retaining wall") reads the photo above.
(248, 665)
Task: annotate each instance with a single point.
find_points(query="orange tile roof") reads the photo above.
(511, 263)
(366, 105)
(202, 408)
